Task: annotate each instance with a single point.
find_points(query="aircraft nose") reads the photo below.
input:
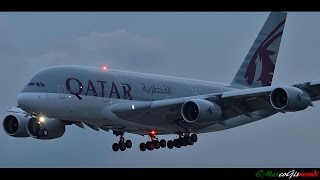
(33, 102)
(23, 101)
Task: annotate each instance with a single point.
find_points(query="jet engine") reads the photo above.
(289, 98)
(201, 112)
(15, 125)
(45, 128)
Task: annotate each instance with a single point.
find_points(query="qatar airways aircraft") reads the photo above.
(153, 105)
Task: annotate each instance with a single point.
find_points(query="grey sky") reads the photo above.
(207, 46)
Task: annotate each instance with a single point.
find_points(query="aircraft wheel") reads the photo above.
(177, 143)
(128, 143)
(163, 143)
(44, 132)
(194, 138)
(150, 146)
(170, 144)
(156, 144)
(183, 141)
(115, 147)
(189, 141)
(143, 147)
(122, 146)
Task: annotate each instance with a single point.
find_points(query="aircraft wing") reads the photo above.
(311, 87)
(232, 103)
(169, 110)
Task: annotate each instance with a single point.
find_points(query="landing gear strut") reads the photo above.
(122, 144)
(40, 131)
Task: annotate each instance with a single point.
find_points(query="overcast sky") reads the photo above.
(207, 46)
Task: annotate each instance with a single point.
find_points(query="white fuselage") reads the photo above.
(85, 94)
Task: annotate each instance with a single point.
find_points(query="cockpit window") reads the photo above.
(36, 84)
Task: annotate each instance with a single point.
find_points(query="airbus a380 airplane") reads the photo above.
(155, 105)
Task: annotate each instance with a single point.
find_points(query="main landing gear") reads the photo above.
(122, 144)
(183, 140)
(154, 143)
(39, 130)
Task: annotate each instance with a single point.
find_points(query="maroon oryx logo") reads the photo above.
(264, 54)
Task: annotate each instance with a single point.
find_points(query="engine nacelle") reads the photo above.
(49, 128)
(15, 125)
(289, 99)
(201, 112)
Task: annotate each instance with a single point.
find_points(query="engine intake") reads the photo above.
(201, 112)
(289, 99)
(15, 125)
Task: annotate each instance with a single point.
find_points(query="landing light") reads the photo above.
(132, 106)
(41, 119)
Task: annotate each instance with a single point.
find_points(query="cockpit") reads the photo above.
(35, 84)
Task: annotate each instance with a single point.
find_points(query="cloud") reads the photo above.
(7, 36)
(122, 45)
(119, 49)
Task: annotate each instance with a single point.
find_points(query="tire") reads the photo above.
(122, 146)
(143, 147)
(177, 143)
(128, 143)
(194, 138)
(189, 141)
(183, 142)
(163, 143)
(44, 132)
(170, 144)
(150, 146)
(156, 144)
(115, 147)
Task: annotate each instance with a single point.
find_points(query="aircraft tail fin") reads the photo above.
(258, 66)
